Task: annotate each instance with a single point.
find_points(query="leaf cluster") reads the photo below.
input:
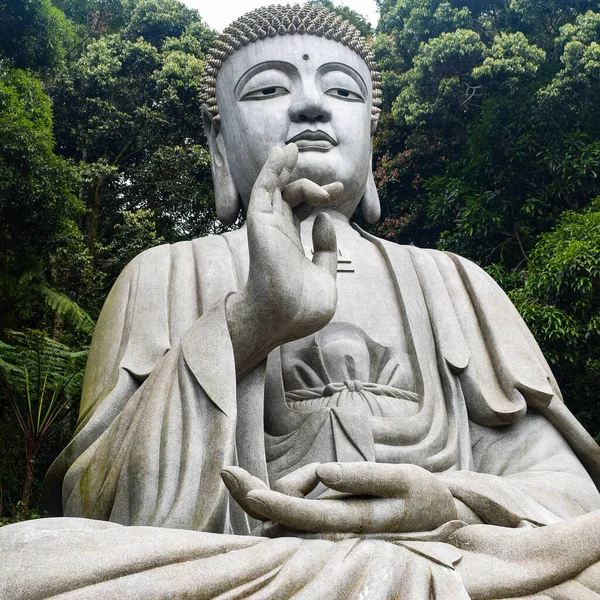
(34, 34)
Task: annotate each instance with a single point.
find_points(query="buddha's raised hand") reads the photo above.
(383, 498)
(287, 296)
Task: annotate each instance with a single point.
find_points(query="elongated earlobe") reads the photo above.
(370, 207)
(227, 198)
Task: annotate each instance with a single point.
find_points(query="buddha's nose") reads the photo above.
(311, 107)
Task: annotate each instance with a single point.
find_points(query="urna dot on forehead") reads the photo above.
(277, 20)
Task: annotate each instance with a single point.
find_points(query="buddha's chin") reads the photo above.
(326, 167)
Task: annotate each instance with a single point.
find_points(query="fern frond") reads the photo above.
(67, 308)
(41, 377)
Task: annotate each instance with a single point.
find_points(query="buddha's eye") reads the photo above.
(265, 92)
(344, 94)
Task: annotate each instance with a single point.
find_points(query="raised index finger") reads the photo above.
(275, 170)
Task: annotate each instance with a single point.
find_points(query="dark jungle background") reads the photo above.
(489, 146)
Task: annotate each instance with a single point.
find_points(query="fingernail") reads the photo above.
(230, 481)
(258, 505)
(333, 472)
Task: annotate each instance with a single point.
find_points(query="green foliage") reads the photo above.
(33, 34)
(42, 379)
(511, 61)
(38, 206)
(64, 306)
(102, 155)
(565, 264)
(31, 286)
(158, 20)
(560, 301)
(573, 86)
(136, 233)
(92, 18)
(37, 202)
(498, 91)
(21, 513)
(410, 23)
(128, 110)
(439, 86)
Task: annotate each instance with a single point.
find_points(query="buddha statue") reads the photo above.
(297, 408)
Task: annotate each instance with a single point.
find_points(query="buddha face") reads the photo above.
(304, 89)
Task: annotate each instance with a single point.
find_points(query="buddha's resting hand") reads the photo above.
(287, 296)
(377, 498)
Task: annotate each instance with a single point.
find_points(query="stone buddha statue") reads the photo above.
(299, 409)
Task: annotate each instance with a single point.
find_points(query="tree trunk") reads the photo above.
(59, 323)
(95, 218)
(32, 452)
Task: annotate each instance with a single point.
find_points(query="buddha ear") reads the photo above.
(370, 207)
(227, 199)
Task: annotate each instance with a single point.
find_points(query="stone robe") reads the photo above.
(161, 414)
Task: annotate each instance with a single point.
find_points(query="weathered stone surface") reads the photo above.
(87, 559)
(371, 420)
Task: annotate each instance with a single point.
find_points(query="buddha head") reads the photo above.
(298, 74)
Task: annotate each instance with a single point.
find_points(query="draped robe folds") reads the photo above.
(162, 414)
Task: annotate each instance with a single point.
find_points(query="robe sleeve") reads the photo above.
(523, 473)
(527, 448)
(158, 415)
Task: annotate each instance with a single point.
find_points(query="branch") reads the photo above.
(521, 247)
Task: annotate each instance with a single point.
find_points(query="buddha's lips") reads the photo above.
(311, 135)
